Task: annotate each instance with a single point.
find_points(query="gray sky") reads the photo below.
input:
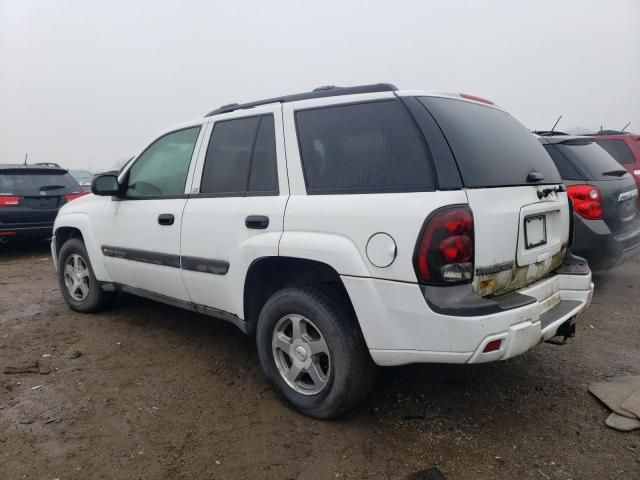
(87, 83)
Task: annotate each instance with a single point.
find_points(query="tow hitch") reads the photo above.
(566, 330)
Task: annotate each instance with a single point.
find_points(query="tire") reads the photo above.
(95, 298)
(346, 370)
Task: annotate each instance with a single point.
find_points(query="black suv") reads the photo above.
(604, 195)
(30, 197)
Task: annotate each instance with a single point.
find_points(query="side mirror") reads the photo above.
(106, 185)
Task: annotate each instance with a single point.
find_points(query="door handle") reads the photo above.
(259, 222)
(166, 219)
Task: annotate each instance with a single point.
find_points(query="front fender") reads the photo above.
(80, 221)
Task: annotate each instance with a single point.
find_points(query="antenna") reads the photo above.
(555, 124)
(625, 127)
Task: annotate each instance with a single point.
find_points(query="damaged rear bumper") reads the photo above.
(401, 326)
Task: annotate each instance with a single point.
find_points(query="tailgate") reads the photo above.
(519, 238)
(619, 203)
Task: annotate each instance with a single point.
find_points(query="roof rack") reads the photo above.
(609, 132)
(320, 92)
(549, 133)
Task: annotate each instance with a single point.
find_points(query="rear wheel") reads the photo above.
(80, 289)
(313, 353)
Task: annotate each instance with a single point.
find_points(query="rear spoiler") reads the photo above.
(36, 170)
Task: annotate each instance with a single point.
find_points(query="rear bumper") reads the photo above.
(602, 248)
(26, 230)
(400, 328)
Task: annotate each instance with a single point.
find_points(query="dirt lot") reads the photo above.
(159, 393)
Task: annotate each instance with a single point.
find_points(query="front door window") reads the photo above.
(161, 170)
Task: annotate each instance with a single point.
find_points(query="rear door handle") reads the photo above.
(166, 219)
(259, 222)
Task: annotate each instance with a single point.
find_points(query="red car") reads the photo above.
(625, 148)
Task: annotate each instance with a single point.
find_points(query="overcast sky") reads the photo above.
(88, 83)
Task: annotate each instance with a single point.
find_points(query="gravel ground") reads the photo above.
(158, 393)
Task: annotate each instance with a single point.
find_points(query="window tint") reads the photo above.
(30, 183)
(264, 172)
(619, 150)
(162, 168)
(363, 148)
(241, 155)
(491, 148)
(591, 157)
(567, 171)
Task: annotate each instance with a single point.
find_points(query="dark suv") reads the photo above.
(624, 147)
(604, 195)
(30, 197)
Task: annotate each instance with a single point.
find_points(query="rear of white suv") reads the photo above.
(342, 227)
(449, 220)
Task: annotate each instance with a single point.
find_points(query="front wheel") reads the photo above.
(80, 289)
(313, 352)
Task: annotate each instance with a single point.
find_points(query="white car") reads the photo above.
(344, 227)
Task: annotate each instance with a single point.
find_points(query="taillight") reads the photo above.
(444, 253)
(587, 201)
(7, 201)
(73, 196)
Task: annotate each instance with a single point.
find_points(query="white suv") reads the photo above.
(344, 227)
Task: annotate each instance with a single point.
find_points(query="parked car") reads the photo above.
(83, 177)
(344, 227)
(604, 194)
(625, 148)
(30, 197)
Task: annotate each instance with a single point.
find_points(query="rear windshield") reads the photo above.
(369, 147)
(592, 159)
(82, 174)
(491, 148)
(28, 183)
(619, 150)
(566, 169)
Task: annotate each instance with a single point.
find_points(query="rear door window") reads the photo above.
(263, 177)
(619, 150)
(372, 147)
(491, 148)
(241, 158)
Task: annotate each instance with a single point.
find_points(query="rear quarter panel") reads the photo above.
(335, 229)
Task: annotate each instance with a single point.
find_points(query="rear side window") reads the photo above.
(241, 158)
(566, 169)
(363, 148)
(31, 183)
(592, 158)
(491, 148)
(619, 150)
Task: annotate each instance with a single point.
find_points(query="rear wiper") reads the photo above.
(534, 176)
(52, 187)
(615, 173)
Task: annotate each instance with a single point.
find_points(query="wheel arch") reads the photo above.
(267, 275)
(77, 226)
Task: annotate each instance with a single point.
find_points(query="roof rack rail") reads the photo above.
(609, 132)
(320, 92)
(549, 133)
